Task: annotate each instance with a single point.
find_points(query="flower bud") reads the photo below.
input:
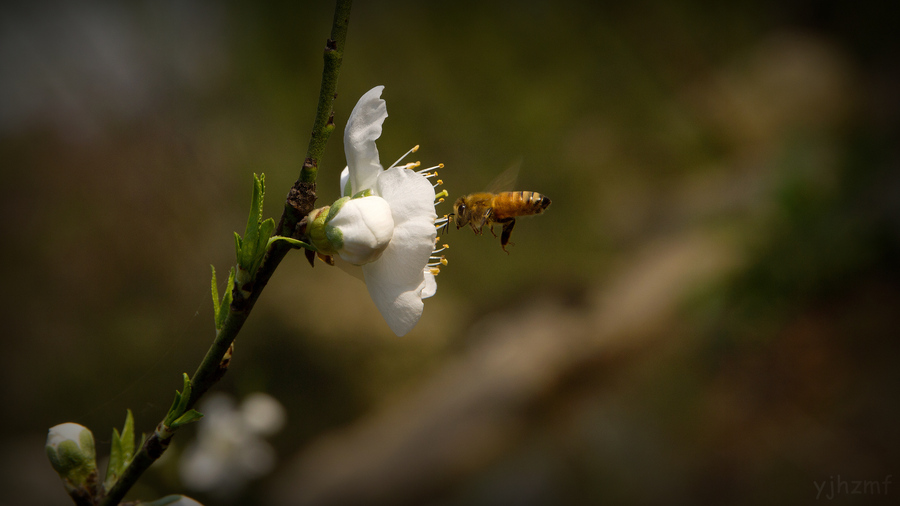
(70, 448)
(359, 229)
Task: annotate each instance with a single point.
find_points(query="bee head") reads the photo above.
(460, 211)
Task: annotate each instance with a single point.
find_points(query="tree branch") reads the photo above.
(299, 203)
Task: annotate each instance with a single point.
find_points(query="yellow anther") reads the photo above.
(414, 149)
(440, 181)
(440, 165)
(444, 245)
(444, 261)
(434, 271)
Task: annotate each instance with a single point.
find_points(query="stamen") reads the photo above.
(445, 246)
(438, 166)
(412, 165)
(413, 150)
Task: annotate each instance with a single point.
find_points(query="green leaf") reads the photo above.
(121, 451)
(127, 437)
(116, 461)
(221, 308)
(266, 229)
(225, 307)
(180, 403)
(237, 246)
(189, 417)
(251, 234)
(293, 242)
(215, 296)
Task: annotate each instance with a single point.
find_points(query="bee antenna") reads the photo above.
(447, 225)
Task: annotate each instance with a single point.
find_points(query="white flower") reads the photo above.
(173, 500)
(229, 449)
(390, 228)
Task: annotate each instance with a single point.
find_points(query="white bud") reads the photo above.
(70, 448)
(361, 230)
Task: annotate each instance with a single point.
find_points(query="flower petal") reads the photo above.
(397, 281)
(395, 285)
(345, 178)
(363, 128)
(430, 284)
(410, 195)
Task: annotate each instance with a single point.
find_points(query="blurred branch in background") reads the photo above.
(527, 365)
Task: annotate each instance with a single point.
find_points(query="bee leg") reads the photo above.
(507, 231)
(486, 220)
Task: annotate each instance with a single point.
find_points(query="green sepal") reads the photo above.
(121, 451)
(335, 237)
(188, 417)
(75, 462)
(362, 193)
(315, 230)
(338, 204)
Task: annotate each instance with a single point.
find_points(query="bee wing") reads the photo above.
(506, 180)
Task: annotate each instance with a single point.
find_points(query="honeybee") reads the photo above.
(484, 209)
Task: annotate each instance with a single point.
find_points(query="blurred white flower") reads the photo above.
(230, 450)
(390, 227)
(173, 500)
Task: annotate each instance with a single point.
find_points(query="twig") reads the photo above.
(300, 202)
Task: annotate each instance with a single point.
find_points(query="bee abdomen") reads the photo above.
(534, 202)
(519, 203)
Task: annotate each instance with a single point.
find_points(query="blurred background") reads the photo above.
(706, 314)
